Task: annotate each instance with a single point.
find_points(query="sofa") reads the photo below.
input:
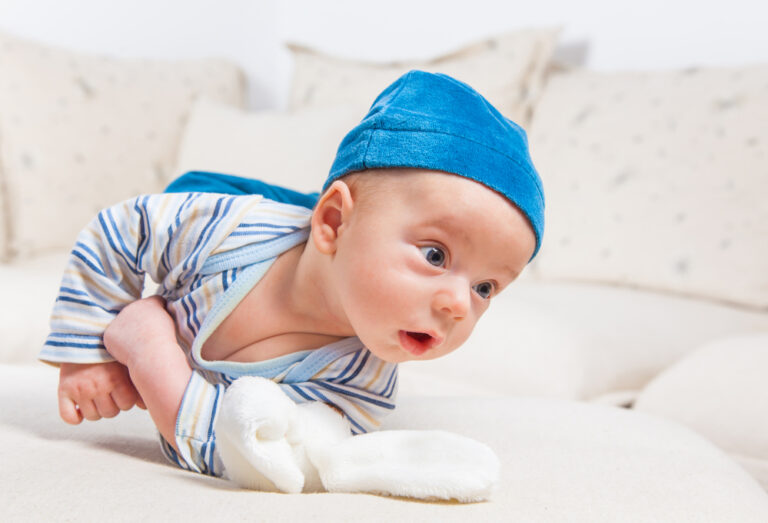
(621, 378)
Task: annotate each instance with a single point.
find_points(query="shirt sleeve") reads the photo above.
(165, 236)
(195, 437)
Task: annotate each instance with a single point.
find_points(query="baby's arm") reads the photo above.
(166, 236)
(143, 338)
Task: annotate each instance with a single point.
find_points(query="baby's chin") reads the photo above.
(391, 353)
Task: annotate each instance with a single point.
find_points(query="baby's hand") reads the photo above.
(95, 391)
(138, 328)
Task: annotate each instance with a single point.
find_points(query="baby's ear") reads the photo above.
(330, 216)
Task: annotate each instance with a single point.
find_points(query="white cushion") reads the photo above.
(292, 149)
(577, 341)
(509, 70)
(657, 179)
(29, 290)
(561, 461)
(80, 132)
(721, 392)
(4, 223)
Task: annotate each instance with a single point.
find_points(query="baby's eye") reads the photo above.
(484, 289)
(434, 255)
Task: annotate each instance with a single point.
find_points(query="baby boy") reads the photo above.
(432, 208)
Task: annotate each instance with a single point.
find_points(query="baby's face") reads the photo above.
(421, 258)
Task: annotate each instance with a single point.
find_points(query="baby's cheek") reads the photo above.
(464, 330)
(374, 294)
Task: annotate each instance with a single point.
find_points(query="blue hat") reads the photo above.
(432, 121)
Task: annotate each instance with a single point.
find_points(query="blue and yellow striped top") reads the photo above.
(205, 251)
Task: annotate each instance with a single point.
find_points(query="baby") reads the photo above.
(432, 208)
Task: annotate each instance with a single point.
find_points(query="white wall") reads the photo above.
(621, 34)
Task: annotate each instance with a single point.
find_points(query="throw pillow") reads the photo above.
(80, 132)
(658, 180)
(508, 69)
(719, 391)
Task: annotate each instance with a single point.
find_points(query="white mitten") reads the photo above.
(256, 436)
(424, 464)
(267, 442)
(320, 427)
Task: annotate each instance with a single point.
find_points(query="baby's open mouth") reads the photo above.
(417, 343)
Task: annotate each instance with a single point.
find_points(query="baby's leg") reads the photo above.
(143, 338)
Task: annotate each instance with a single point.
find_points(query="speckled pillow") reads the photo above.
(509, 70)
(657, 179)
(79, 132)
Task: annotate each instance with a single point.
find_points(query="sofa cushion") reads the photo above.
(292, 149)
(578, 341)
(720, 391)
(508, 69)
(5, 224)
(80, 132)
(561, 461)
(29, 290)
(657, 179)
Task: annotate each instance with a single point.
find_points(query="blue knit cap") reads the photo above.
(432, 121)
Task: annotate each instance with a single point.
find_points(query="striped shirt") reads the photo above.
(206, 251)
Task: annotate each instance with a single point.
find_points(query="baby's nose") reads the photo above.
(452, 299)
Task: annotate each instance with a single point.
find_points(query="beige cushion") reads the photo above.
(576, 341)
(4, 223)
(292, 149)
(80, 132)
(561, 461)
(657, 179)
(721, 392)
(508, 70)
(29, 290)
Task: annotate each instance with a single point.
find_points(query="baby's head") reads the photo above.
(431, 208)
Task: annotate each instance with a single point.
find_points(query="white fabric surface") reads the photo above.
(29, 289)
(657, 179)
(720, 391)
(4, 223)
(561, 461)
(81, 132)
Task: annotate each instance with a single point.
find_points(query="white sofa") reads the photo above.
(650, 291)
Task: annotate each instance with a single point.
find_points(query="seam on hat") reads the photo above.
(376, 127)
(399, 91)
(377, 121)
(513, 160)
